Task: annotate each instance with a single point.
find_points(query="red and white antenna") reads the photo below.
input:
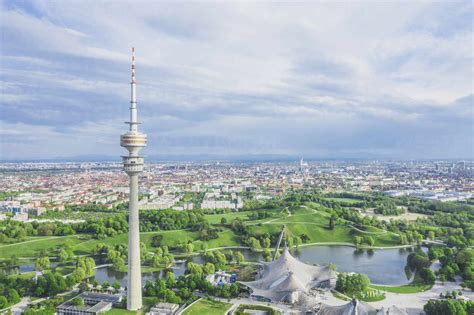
(133, 66)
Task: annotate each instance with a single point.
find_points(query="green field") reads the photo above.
(170, 238)
(207, 307)
(32, 247)
(120, 311)
(408, 288)
(344, 200)
(148, 302)
(216, 218)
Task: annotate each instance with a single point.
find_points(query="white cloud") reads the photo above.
(240, 71)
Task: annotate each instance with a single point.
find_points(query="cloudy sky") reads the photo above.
(322, 79)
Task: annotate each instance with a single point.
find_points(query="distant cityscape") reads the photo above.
(220, 185)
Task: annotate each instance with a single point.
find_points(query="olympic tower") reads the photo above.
(133, 141)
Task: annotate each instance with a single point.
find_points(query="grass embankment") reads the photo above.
(405, 289)
(316, 226)
(208, 307)
(415, 286)
(31, 247)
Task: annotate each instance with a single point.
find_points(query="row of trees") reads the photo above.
(359, 240)
(449, 307)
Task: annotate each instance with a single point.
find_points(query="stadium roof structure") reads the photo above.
(354, 307)
(287, 279)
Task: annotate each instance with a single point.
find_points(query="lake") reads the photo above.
(382, 266)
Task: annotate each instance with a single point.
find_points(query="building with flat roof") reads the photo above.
(94, 303)
(163, 308)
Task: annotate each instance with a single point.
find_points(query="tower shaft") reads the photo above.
(134, 293)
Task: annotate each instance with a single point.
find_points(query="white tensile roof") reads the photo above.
(354, 307)
(286, 276)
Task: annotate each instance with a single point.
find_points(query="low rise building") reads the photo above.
(163, 308)
(94, 303)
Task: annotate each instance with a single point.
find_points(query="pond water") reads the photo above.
(31, 267)
(383, 266)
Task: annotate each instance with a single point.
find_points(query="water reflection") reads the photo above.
(383, 266)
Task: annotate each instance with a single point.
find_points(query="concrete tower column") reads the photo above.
(134, 299)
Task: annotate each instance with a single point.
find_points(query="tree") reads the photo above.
(194, 268)
(239, 257)
(267, 255)
(403, 239)
(332, 221)
(229, 255)
(266, 242)
(431, 235)
(116, 285)
(42, 263)
(170, 281)
(221, 259)
(13, 296)
(357, 240)
(78, 301)
(297, 241)
(418, 260)
(149, 289)
(156, 261)
(13, 261)
(63, 255)
(370, 241)
(105, 285)
(3, 302)
(208, 268)
(83, 287)
(427, 275)
(254, 244)
(223, 221)
(464, 258)
(189, 248)
(156, 240)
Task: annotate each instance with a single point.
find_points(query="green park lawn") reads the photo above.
(148, 302)
(405, 289)
(216, 218)
(208, 307)
(315, 226)
(170, 238)
(415, 286)
(120, 311)
(344, 200)
(226, 238)
(32, 247)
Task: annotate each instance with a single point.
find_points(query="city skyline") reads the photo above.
(229, 80)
